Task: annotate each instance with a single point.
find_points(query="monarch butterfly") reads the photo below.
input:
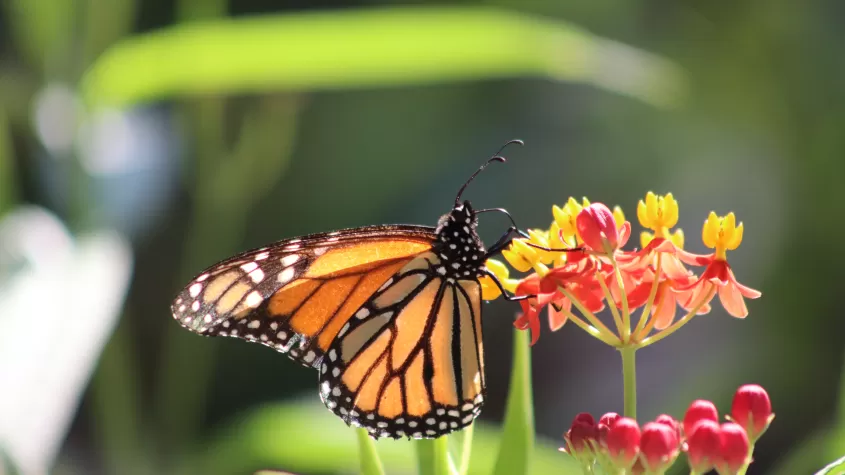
(389, 315)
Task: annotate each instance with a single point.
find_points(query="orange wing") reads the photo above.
(411, 363)
(296, 295)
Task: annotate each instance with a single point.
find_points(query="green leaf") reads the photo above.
(433, 457)
(299, 437)
(370, 462)
(517, 446)
(369, 48)
(835, 468)
(8, 182)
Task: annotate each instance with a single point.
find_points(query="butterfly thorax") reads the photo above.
(458, 244)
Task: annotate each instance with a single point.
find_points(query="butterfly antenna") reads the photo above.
(495, 158)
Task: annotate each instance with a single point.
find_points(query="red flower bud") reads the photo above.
(698, 410)
(582, 431)
(609, 419)
(752, 409)
(595, 223)
(584, 417)
(623, 440)
(671, 422)
(658, 446)
(734, 448)
(704, 446)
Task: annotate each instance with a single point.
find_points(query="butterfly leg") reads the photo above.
(505, 295)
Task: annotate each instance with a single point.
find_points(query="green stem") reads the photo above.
(646, 312)
(466, 450)
(367, 454)
(433, 456)
(629, 380)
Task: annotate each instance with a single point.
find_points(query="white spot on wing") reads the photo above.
(290, 260)
(254, 299)
(286, 275)
(262, 256)
(249, 267)
(195, 290)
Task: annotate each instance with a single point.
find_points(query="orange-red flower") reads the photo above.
(579, 264)
(723, 234)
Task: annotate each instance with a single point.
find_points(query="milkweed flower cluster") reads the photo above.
(619, 445)
(595, 271)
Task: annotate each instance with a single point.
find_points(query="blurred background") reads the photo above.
(143, 141)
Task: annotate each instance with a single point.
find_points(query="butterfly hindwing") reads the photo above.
(295, 295)
(410, 363)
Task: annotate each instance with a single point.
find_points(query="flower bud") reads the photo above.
(670, 422)
(596, 225)
(623, 441)
(704, 446)
(698, 410)
(658, 446)
(582, 431)
(752, 409)
(734, 449)
(603, 427)
(609, 419)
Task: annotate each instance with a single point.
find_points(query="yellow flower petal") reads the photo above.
(618, 216)
(670, 211)
(645, 238)
(497, 268)
(489, 289)
(651, 210)
(516, 260)
(728, 227)
(736, 239)
(710, 231)
(560, 215)
(642, 214)
(678, 238)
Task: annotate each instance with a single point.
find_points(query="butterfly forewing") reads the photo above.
(295, 295)
(410, 363)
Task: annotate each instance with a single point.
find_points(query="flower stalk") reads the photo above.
(629, 380)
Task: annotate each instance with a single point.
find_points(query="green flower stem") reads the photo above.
(744, 468)
(629, 380)
(617, 319)
(644, 316)
(591, 330)
(623, 296)
(679, 323)
(367, 454)
(591, 317)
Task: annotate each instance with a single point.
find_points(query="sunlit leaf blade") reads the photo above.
(515, 451)
(834, 468)
(296, 437)
(369, 48)
(368, 456)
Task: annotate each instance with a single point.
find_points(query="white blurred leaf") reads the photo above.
(56, 314)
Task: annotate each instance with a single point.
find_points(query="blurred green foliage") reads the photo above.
(283, 132)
